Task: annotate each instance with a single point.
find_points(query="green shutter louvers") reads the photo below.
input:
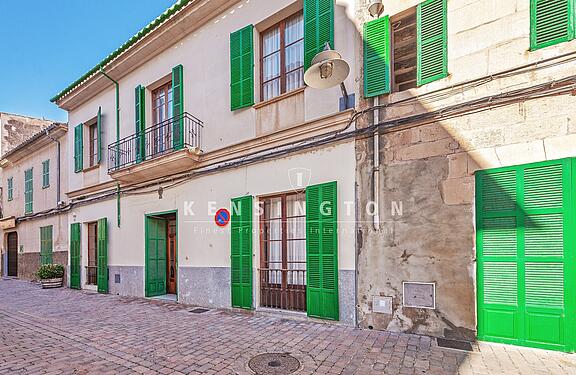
(551, 22)
(75, 255)
(377, 57)
(178, 107)
(431, 41)
(46, 173)
(322, 251)
(242, 68)
(28, 191)
(78, 148)
(99, 129)
(241, 252)
(46, 245)
(318, 27)
(140, 122)
(102, 251)
(10, 188)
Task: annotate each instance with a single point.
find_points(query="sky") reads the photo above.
(47, 44)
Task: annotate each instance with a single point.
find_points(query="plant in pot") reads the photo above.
(51, 275)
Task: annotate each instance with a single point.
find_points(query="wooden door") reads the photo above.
(171, 257)
(13, 254)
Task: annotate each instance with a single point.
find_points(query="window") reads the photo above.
(161, 112)
(10, 188)
(46, 245)
(404, 51)
(551, 22)
(28, 194)
(46, 173)
(283, 252)
(282, 65)
(93, 144)
(92, 267)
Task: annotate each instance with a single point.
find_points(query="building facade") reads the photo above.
(34, 230)
(206, 109)
(475, 178)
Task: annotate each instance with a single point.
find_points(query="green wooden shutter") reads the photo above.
(318, 27)
(242, 68)
(78, 148)
(10, 188)
(241, 252)
(46, 245)
(140, 122)
(432, 41)
(75, 256)
(322, 251)
(377, 57)
(102, 251)
(551, 22)
(156, 241)
(525, 249)
(99, 129)
(28, 191)
(178, 107)
(46, 173)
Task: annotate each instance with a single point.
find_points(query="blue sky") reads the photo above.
(47, 44)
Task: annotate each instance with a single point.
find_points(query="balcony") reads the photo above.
(171, 146)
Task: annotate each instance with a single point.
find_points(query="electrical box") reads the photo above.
(382, 305)
(420, 295)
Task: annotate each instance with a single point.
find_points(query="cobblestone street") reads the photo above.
(68, 331)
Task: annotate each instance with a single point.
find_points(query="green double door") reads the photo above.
(156, 242)
(525, 249)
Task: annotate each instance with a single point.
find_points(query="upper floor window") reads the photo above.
(10, 188)
(404, 50)
(28, 191)
(93, 144)
(162, 103)
(282, 64)
(46, 173)
(551, 22)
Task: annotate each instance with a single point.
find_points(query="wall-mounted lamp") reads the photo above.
(376, 8)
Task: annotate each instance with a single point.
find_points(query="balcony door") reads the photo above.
(162, 117)
(283, 252)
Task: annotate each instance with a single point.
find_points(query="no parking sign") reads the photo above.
(222, 217)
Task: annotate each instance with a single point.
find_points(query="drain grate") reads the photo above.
(274, 364)
(199, 310)
(454, 344)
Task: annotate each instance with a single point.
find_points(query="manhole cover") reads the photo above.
(454, 344)
(274, 364)
(199, 310)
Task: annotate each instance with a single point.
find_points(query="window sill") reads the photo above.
(280, 97)
(91, 168)
(45, 187)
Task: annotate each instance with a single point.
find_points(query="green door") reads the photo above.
(241, 252)
(102, 251)
(525, 248)
(156, 239)
(75, 256)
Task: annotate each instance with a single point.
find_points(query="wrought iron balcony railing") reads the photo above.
(166, 137)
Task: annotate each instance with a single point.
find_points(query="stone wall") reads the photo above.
(28, 263)
(17, 128)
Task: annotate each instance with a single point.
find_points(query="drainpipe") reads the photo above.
(376, 169)
(57, 166)
(117, 138)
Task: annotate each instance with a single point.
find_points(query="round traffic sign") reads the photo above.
(222, 217)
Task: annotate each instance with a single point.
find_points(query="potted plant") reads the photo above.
(51, 275)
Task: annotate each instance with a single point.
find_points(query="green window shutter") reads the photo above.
(551, 22)
(99, 129)
(102, 251)
(78, 148)
(322, 251)
(10, 188)
(431, 41)
(377, 57)
(178, 107)
(242, 68)
(318, 27)
(46, 245)
(46, 173)
(241, 252)
(525, 251)
(28, 191)
(140, 122)
(75, 256)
